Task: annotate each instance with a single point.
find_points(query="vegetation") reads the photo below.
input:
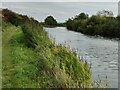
(103, 24)
(51, 22)
(32, 60)
(105, 13)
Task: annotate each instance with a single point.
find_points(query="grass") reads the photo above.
(31, 60)
(17, 58)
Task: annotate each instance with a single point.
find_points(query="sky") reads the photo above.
(60, 0)
(61, 11)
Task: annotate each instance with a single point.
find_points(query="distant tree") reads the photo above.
(82, 16)
(105, 13)
(118, 18)
(103, 24)
(50, 21)
(69, 23)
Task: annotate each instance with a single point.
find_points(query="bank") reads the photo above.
(32, 60)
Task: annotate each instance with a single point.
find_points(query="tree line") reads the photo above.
(102, 24)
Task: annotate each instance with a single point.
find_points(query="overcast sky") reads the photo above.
(60, 0)
(60, 10)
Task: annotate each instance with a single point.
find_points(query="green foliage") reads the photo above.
(50, 21)
(81, 16)
(69, 24)
(95, 25)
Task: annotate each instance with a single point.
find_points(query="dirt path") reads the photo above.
(7, 65)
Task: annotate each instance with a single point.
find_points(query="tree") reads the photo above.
(105, 13)
(103, 24)
(82, 16)
(69, 24)
(50, 21)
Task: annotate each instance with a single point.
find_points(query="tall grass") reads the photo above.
(56, 62)
(32, 60)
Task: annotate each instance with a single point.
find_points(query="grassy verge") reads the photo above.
(31, 60)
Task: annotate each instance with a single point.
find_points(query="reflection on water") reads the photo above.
(101, 53)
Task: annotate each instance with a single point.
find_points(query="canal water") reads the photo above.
(100, 52)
